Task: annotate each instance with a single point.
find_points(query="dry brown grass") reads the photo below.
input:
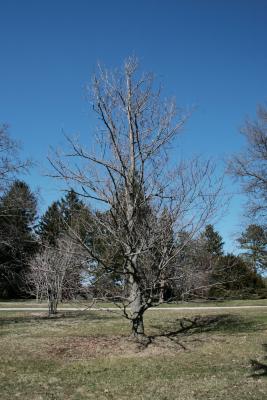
(89, 356)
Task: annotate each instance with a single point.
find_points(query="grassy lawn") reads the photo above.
(83, 303)
(89, 356)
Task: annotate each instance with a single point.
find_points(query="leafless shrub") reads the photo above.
(54, 270)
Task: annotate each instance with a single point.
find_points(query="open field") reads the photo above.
(89, 356)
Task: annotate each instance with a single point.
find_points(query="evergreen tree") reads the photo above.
(17, 240)
(209, 255)
(51, 224)
(71, 207)
(75, 214)
(213, 242)
(254, 242)
(68, 214)
(165, 245)
(236, 278)
(70, 218)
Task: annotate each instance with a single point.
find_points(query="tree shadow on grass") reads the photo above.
(185, 327)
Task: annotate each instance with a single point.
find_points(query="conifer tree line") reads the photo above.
(27, 242)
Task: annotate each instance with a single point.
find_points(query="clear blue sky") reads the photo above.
(209, 54)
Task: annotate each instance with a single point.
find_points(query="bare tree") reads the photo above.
(147, 199)
(51, 272)
(250, 166)
(10, 163)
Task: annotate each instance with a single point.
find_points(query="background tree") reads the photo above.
(10, 166)
(250, 166)
(254, 242)
(236, 278)
(72, 209)
(129, 172)
(107, 282)
(51, 224)
(17, 240)
(65, 217)
(67, 214)
(210, 250)
(196, 262)
(212, 241)
(52, 269)
(10, 163)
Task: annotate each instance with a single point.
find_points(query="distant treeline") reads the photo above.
(50, 256)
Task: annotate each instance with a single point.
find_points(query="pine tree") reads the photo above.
(75, 214)
(210, 254)
(213, 242)
(51, 224)
(17, 240)
(71, 206)
(70, 218)
(236, 277)
(67, 214)
(254, 242)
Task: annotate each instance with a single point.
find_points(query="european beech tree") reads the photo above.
(148, 195)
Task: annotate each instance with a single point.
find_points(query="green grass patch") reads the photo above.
(84, 304)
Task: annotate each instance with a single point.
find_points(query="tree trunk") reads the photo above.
(37, 299)
(52, 303)
(138, 330)
(162, 291)
(137, 311)
(52, 307)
